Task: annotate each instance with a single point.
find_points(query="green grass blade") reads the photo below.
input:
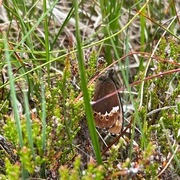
(46, 39)
(63, 26)
(14, 100)
(43, 170)
(28, 124)
(88, 108)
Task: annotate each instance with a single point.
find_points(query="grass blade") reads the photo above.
(88, 108)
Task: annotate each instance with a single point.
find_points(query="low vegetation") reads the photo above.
(51, 54)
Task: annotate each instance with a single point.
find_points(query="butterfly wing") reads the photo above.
(108, 111)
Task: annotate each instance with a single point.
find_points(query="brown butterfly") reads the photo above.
(108, 112)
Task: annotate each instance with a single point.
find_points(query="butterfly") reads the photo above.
(108, 112)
